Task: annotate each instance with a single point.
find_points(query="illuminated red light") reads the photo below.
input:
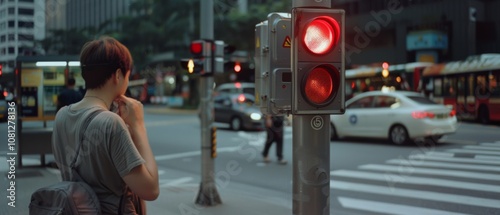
(453, 113)
(422, 114)
(237, 85)
(5, 93)
(318, 86)
(237, 67)
(385, 65)
(321, 35)
(241, 98)
(196, 48)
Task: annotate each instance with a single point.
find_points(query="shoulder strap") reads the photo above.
(85, 125)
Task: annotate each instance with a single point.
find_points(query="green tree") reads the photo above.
(239, 29)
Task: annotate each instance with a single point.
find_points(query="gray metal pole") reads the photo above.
(311, 153)
(311, 164)
(207, 194)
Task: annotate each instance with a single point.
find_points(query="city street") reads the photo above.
(460, 175)
(367, 176)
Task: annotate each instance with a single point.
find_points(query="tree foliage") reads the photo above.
(157, 26)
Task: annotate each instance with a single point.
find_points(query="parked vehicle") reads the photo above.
(238, 110)
(400, 116)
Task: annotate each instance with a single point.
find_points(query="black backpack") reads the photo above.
(67, 197)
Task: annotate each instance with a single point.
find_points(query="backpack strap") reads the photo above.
(85, 125)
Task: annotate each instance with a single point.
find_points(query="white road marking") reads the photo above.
(473, 151)
(405, 170)
(407, 179)
(193, 153)
(495, 144)
(417, 194)
(482, 147)
(442, 165)
(388, 208)
(424, 158)
(485, 157)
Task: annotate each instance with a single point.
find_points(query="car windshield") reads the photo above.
(422, 100)
(250, 91)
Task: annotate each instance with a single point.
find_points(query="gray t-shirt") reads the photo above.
(107, 154)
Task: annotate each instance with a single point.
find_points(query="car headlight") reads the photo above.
(255, 116)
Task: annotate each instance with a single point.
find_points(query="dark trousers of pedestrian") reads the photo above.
(274, 135)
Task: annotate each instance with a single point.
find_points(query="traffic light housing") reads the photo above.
(318, 61)
(272, 56)
(208, 57)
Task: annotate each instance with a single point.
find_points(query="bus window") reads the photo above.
(461, 86)
(438, 87)
(471, 84)
(450, 86)
(495, 83)
(482, 88)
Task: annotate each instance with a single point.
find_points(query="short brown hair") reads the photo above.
(100, 58)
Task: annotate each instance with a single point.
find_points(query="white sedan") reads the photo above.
(397, 115)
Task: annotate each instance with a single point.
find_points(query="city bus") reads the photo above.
(471, 86)
(399, 77)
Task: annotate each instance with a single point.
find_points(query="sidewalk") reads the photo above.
(175, 197)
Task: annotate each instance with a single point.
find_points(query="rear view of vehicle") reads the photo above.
(431, 120)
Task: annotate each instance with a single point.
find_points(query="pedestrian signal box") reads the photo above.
(272, 73)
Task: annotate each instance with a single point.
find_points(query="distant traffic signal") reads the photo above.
(318, 61)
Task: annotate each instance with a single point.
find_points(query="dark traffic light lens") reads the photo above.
(318, 86)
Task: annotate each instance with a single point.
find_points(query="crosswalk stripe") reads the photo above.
(448, 154)
(405, 170)
(443, 165)
(453, 159)
(408, 179)
(474, 151)
(485, 157)
(440, 154)
(481, 147)
(417, 194)
(383, 207)
(497, 144)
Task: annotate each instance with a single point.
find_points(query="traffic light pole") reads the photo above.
(311, 164)
(207, 194)
(311, 149)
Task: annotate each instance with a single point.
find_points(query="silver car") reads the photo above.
(238, 110)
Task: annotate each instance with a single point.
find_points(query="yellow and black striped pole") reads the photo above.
(213, 143)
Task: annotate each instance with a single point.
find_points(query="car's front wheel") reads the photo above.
(399, 135)
(235, 123)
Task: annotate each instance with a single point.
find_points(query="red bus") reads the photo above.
(470, 86)
(399, 77)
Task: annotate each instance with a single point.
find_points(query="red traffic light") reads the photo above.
(196, 48)
(318, 52)
(237, 67)
(385, 65)
(321, 34)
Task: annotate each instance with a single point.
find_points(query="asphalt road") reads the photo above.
(459, 175)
